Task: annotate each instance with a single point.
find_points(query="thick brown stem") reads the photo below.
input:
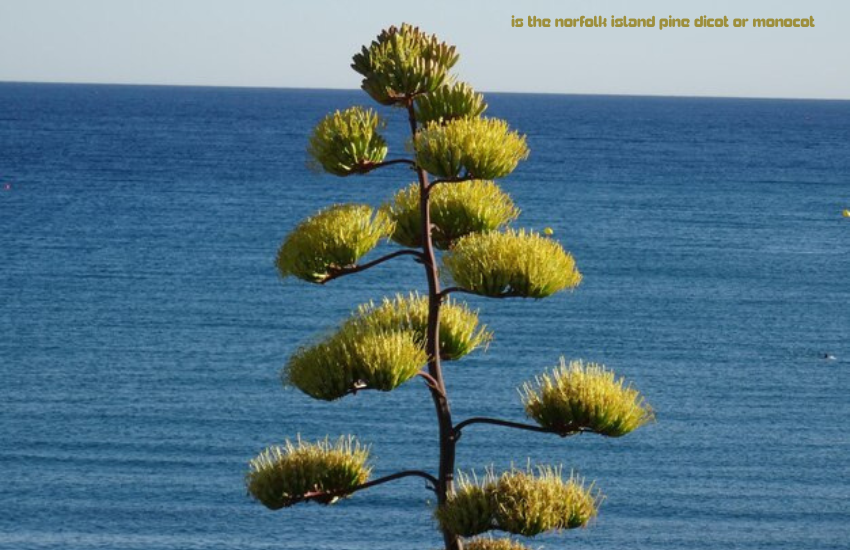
(432, 347)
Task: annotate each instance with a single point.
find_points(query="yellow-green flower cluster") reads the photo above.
(353, 359)
(511, 263)
(460, 332)
(522, 502)
(578, 396)
(381, 347)
(281, 476)
(447, 103)
(332, 239)
(403, 63)
(457, 209)
(529, 504)
(347, 142)
(470, 510)
(483, 148)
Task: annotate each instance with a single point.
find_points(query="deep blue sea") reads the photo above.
(143, 325)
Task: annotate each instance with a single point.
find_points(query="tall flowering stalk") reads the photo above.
(465, 214)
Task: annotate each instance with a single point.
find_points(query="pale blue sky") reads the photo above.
(309, 44)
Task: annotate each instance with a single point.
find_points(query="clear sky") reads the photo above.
(309, 43)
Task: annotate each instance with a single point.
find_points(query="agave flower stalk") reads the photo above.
(455, 210)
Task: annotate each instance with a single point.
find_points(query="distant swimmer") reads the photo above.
(827, 356)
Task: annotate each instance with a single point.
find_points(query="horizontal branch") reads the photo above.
(453, 289)
(330, 496)
(409, 162)
(517, 425)
(366, 167)
(335, 273)
(458, 179)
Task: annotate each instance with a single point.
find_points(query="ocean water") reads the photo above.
(142, 323)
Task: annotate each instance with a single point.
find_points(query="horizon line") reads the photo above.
(308, 88)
